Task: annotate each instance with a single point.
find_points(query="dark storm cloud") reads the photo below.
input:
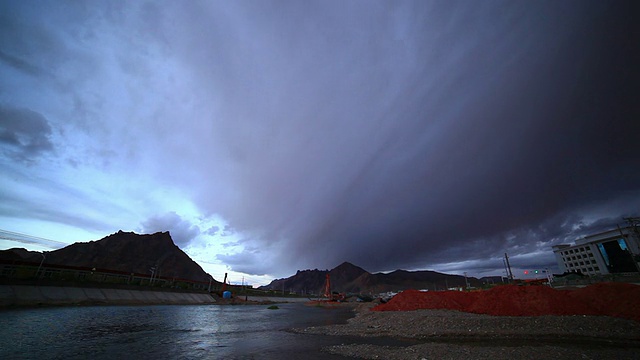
(418, 134)
(388, 134)
(24, 134)
(27, 46)
(20, 64)
(528, 247)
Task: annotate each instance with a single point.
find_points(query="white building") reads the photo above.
(611, 252)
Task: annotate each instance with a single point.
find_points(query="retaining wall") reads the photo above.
(31, 295)
(277, 299)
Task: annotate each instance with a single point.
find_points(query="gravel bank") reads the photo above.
(446, 334)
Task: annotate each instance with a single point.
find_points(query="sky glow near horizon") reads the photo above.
(274, 136)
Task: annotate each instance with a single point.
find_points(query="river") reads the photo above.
(166, 332)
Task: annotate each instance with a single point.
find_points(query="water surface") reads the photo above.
(166, 332)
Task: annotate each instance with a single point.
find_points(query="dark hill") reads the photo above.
(20, 254)
(122, 251)
(350, 278)
(312, 281)
(345, 273)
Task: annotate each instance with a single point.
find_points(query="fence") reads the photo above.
(43, 274)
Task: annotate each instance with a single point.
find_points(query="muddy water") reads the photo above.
(166, 332)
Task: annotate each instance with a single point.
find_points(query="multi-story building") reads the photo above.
(610, 252)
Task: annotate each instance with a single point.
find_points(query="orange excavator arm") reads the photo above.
(224, 283)
(327, 287)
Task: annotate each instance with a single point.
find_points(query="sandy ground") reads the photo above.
(445, 334)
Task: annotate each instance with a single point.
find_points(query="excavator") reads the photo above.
(332, 296)
(224, 286)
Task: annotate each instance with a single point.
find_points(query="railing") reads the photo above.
(34, 273)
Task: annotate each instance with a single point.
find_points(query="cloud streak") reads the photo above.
(24, 134)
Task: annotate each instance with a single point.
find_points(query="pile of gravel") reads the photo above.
(447, 334)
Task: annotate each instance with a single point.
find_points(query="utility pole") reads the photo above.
(466, 281)
(549, 276)
(40, 266)
(509, 273)
(506, 271)
(153, 271)
(244, 290)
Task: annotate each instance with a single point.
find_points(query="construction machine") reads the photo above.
(224, 286)
(332, 296)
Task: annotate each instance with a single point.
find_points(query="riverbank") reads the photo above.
(37, 295)
(32, 295)
(274, 299)
(448, 334)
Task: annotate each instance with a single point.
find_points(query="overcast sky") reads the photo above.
(274, 136)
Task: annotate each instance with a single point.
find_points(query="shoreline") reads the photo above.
(24, 296)
(14, 296)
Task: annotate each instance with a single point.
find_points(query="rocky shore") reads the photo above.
(448, 334)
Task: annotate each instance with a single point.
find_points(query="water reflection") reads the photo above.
(144, 332)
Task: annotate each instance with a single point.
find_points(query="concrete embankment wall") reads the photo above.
(275, 299)
(30, 295)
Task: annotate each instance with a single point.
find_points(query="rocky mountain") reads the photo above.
(123, 251)
(312, 281)
(352, 279)
(20, 254)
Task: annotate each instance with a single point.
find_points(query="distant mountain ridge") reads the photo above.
(122, 251)
(350, 278)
